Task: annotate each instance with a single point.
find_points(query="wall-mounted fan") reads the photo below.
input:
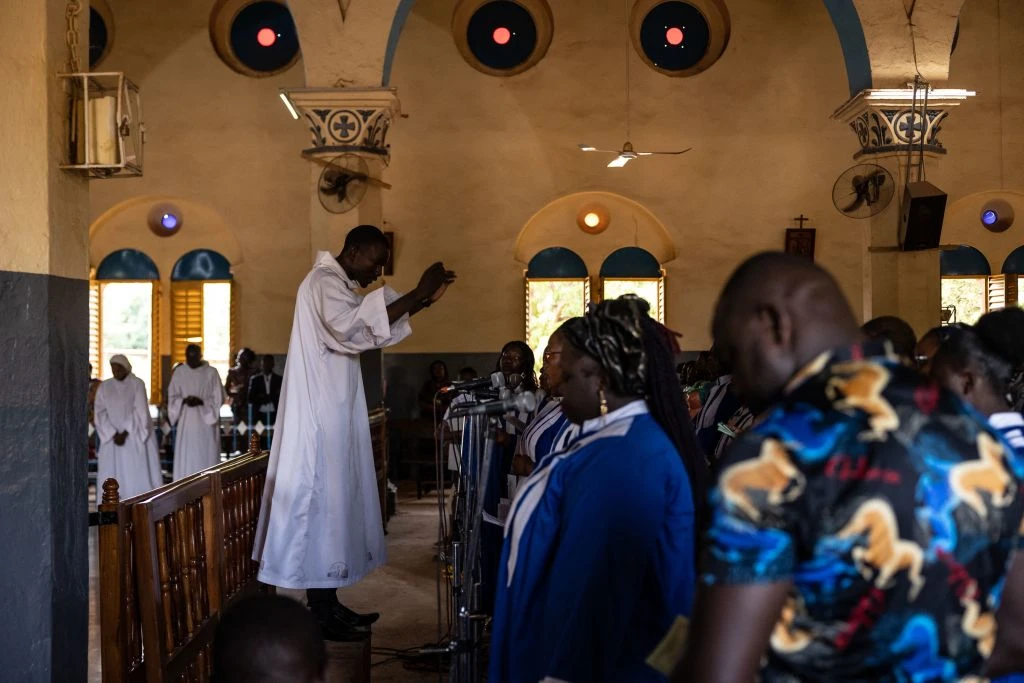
(863, 191)
(344, 181)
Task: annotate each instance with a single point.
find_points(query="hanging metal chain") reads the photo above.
(71, 14)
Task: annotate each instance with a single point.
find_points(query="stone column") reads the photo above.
(44, 334)
(346, 121)
(888, 127)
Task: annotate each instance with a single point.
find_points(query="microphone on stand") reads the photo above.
(494, 381)
(525, 401)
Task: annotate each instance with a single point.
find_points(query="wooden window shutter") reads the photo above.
(186, 318)
(1002, 292)
(95, 333)
(155, 384)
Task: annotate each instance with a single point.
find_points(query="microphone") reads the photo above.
(495, 380)
(525, 401)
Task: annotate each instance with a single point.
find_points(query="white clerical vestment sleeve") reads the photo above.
(105, 428)
(214, 398)
(175, 396)
(352, 325)
(141, 422)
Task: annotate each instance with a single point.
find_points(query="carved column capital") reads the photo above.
(890, 122)
(347, 120)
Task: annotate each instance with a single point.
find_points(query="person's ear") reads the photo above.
(968, 383)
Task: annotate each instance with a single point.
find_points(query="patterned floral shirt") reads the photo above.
(892, 507)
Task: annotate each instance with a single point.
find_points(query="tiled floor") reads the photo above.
(403, 591)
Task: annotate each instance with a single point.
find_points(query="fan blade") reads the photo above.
(591, 148)
(647, 154)
(619, 161)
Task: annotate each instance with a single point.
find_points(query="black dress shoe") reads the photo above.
(357, 618)
(331, 630)
(339, 617)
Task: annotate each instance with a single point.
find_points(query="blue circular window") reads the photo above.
(502, 37)
(674, 36)
(100, 34)
(502, 34)
(263, 37)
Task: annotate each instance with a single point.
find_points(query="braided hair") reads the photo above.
(993, 346)
(638, 355)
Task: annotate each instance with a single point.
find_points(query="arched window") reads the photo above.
(557, 288)
(202, 308)
(632, 270)
(124, 315)
(1013, 275)
(965, 279)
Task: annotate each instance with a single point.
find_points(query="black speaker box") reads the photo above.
(924, 207)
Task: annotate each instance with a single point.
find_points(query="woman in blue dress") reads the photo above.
(549, 430)
(984, 365)
(598, 563)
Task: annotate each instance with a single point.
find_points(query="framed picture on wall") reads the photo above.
(800, 242)
(389, 267)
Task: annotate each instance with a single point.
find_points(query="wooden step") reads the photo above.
(348, 662)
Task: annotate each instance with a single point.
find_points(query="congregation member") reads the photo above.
(264, 392)
(718, 405)
(268, 639)
(320, 522)
(128, 448)
(896, 331)
(929, 345)
(432, 403)
(598, 562)
(237, 384)
(984, 365)
(549, 430)
(861, 530)
(194, 397)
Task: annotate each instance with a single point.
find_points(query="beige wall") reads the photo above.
(221, 146)
(478, 156)
(43, 227)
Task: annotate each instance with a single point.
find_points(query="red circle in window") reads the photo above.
(266, 37)
(502, 35)
(674, 36)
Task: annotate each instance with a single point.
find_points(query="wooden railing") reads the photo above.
(170, 561)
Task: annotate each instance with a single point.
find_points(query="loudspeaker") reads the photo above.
(924, 207)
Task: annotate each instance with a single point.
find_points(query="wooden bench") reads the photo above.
(171, 560)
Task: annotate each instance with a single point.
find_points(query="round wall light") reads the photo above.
(164, 220)
(593, 219)
(997, 215)
(502, 37)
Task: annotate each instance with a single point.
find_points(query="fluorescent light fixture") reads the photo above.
(619, 161)
(588, 148)
(907, 94)
(291, 107)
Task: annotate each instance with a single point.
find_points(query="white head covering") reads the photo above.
(122, 361)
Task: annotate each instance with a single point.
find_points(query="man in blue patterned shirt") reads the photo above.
(862, 528)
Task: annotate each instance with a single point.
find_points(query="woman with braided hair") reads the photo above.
(984, 365)
(598, 563)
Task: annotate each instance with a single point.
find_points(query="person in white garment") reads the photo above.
(194, 398)
(320, 524)
(128, 450)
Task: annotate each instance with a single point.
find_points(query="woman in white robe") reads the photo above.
(122, 415)
(194, 398)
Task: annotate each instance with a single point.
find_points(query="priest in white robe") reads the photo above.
(194, 398)
(320, 524)
(128, 449)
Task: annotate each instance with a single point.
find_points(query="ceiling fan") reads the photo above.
(627, 154)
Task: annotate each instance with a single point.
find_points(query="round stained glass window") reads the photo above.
(502, 37)
(101, 32)
(680, 38)
(263, 37)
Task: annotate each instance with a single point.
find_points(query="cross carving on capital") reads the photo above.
(801, 219)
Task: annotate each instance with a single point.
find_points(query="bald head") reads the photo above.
(775, 314)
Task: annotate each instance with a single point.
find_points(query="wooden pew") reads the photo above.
(170, 561)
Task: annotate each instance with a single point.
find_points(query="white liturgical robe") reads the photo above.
(121, 406)
(197, 444)
(320, 523)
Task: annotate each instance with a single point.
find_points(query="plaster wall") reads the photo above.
(478, 157)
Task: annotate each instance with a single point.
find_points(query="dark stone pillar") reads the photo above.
(44, 604)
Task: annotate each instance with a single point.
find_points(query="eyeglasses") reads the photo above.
(548, 355)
